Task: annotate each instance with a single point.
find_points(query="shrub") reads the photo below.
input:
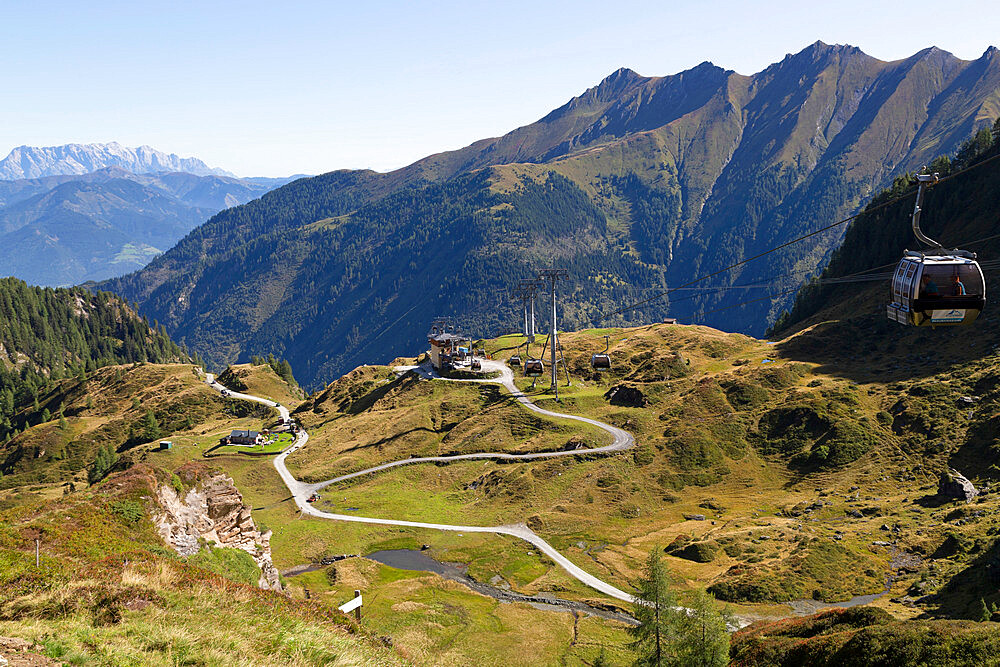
(128, 512)
(746, 396)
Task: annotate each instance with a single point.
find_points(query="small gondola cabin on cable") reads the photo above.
(937, 290)
(601, 361)
(534, 368)
(935, 287)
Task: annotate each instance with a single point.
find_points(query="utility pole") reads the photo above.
(553, 276)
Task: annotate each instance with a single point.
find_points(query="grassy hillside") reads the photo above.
(428, 619)
(109, 592)
(816, 482)
(636, 184)
(261, 380)
(865, 637)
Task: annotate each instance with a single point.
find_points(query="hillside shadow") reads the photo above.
(869, 348)
(960, 597)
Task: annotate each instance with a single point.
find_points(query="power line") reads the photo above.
(869, 209)
(991, 265)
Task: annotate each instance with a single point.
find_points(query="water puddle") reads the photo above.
(409, 559)
(807, 607)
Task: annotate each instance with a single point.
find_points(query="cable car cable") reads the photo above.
(878, 207)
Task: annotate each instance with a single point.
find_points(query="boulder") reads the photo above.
(954, 485)
(627, 396)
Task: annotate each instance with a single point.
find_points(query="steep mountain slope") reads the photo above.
(64, 230)
(34, 162)
(646, 181)
(958, 212)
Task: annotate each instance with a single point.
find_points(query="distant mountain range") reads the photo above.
(34, 162)
(637, 184)
(68, 229)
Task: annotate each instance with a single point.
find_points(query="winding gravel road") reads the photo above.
(621, 441)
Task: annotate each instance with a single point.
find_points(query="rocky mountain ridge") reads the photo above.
(35, 162)
(637, 184)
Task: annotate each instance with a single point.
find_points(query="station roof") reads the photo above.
(447, 338)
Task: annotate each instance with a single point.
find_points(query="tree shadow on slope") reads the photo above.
(377, 444)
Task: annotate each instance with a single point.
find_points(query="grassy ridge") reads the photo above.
(109, 592)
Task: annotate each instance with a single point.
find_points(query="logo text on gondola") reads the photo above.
(952, 315)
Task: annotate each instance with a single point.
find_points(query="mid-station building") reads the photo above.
(447, 346)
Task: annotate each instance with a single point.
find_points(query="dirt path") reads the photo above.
(301, 491)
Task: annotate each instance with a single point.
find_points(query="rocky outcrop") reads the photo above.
(954, 485)
(213, 511)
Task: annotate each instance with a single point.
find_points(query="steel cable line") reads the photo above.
(878, 207)
(993, 265)
(856, 277)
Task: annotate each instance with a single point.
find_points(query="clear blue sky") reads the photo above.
(307, 87)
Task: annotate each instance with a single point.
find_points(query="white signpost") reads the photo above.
(353, 605)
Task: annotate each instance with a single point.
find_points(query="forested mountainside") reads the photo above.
(64, 230)
(958, 212)
(48, 334)
(652, 180)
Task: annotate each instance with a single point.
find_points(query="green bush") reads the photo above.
(128, 512)
(699, 552)
(746, 396)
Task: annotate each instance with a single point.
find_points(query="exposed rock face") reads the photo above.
(34, 162)
(954, 485)
(214, 511)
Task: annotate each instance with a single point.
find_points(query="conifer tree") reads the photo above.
(671, 636)
(150, 427)
(656, 610)
(982, 611)
(704, 633)
(102, 465)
